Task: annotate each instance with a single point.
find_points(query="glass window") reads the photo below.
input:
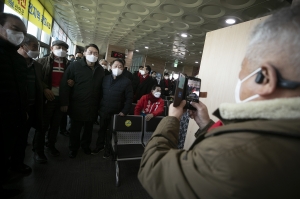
(55, 30)
(32, 29)
(7, 9)
(43, 52)
(45, 38)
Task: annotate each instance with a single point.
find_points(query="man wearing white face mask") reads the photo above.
(150, 105)
(145, 83)
(13, 91)
(116, 99)
(53, 69)
(253, 152)
(29, 50)
(82, 100)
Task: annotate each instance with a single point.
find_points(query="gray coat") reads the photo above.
(83, 98)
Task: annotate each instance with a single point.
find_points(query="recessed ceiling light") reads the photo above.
(137, 50)
(184, 35)
(84, 8)
(230, 21)
(146, 47)
(196, 62)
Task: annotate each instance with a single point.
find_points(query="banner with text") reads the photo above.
(20, 6)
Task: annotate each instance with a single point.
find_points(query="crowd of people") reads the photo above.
(41, 93)
(252, 152)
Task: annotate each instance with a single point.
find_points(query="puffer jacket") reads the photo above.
(47, 63)
(83, 98)
(254, 155)
(116, 95)
(13, 82)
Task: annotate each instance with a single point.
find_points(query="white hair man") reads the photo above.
(253, 152)
(105, 66)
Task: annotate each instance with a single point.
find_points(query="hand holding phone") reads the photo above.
(188, 88)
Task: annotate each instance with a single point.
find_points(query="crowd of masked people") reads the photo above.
(40, 93)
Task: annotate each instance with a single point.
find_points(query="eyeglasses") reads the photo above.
(94, 53)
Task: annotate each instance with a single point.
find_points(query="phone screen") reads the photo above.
(193, 90)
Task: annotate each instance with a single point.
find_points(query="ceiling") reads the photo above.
(158, 24)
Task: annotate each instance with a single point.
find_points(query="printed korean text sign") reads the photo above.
(36, 12)
(20, 6)
(47, 22)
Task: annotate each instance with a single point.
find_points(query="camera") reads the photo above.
(187, 88)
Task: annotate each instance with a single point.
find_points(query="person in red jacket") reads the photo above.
(150, 105)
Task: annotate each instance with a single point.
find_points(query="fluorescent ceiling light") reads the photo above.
(230, 21)
(137, 50)
(146, 47)
(184, 35)
(196, 62)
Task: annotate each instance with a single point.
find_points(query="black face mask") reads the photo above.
(78, 58)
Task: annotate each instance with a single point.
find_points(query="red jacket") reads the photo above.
(148, 104)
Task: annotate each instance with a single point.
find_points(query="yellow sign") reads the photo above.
(128, 123)
(47, 22)
(20, 6)
(36, 11)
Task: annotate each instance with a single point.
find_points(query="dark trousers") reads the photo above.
(9, 133)
(86, 138)
(63, 123)
(104, 134)
(18, 153)
(51, 121)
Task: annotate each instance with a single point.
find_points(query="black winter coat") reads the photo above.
(116, 95)
(164, 86)
(13, 85)
(144, 88)
(83, 98)
(135, 81)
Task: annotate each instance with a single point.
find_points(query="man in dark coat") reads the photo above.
(116, 99)
(136, 78)
(29, 50)
(82, 100)
(13, 100)
(166, 85)
(145, 83)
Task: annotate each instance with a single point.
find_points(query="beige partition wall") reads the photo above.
(224, 50)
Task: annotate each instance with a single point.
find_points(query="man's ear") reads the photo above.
(51, 48)
(268, 83)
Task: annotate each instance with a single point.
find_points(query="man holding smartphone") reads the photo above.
(253, 151)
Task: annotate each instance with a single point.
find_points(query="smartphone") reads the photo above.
(192, 91)
(187, 88)
(180, 90)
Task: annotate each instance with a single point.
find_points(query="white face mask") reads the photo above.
(14, 37)
(116, 71)
(105, 67)
(166, 77)
(60, 52)
(142, 72)
(238, 88)
(157, 94)
(33, 54)
(91, 58)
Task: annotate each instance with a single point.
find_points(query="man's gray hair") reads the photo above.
(277, 39)
(29, 38)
